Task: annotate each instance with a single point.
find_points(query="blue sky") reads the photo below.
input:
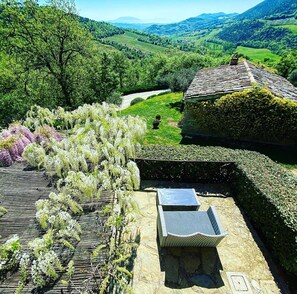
(158, 10)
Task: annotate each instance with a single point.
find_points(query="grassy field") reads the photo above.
(166, 105)
(131, 40)
(258, 54)
(291, 27)
(202, 37)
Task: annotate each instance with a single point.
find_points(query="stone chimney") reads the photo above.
(234, 59)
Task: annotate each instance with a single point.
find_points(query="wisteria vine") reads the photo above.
(93, 156)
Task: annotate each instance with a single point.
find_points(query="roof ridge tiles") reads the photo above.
(249, 72)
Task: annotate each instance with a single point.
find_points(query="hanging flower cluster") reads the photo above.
(41, 262)
(10, 254)
(14, 140)
(94, 157)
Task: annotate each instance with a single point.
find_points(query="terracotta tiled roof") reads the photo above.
(225, 79)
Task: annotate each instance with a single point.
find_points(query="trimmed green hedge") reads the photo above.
(266, 191)
(185, 171)
(136, 100)
(253, 115)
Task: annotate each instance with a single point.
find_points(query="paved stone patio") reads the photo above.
(202, 270)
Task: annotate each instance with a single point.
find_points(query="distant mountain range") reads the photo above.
(268, 9)
(127, 20)
(200, 22)
(271, 25)
(136, 26)
(134, 23)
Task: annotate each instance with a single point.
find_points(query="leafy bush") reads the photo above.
(10, 254)
(185, 171)
(287, 64)
(293, 77)
(136, 100)
(178, 81)
(114, 98)
(265, 190)
(253, 114)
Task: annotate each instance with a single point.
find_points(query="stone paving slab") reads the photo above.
(201, 270)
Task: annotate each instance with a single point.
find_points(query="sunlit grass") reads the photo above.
(131, 40)
(258, 54)
(166, 105)
(291, 27)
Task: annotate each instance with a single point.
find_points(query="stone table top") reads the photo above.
(178, 198)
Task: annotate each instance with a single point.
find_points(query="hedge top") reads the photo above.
(279, 185)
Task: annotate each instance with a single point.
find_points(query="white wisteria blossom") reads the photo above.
(95, 156)
(45, 267)
(10, 253)
(34, 154)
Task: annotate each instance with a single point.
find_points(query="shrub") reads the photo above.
(254, 115)
(265, 190)
(136, 100)
(114, 98)
(293, 77)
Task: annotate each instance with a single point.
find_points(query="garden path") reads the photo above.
(126, 99)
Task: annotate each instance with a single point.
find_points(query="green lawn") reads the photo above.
(167, 105)
(258, 54)
(131, 40)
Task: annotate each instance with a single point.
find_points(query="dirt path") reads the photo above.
(128, 98)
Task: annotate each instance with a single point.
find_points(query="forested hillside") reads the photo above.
(272, 25)
(51, 57)
(96, 61)
(259, 34)
(271, 9)
(203, 21)
(100, 29)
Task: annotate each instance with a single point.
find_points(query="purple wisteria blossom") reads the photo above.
(5, 158)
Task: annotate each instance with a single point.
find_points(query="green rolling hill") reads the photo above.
(201, 22)
(132, 40)
(135, 43)
(270, 25)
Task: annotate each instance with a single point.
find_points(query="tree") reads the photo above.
(180, 80)
(120, 66)
(47, 40)
(102, 78)
(293, 77)
(287, 64)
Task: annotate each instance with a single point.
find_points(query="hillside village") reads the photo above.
(190, 186)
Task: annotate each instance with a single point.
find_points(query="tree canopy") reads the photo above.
(48, 40)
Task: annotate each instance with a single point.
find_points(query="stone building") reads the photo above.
(213, 83)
